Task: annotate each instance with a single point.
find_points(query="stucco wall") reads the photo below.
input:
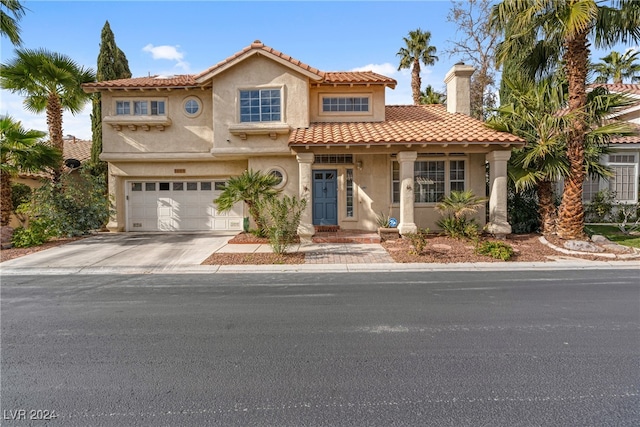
(376, 103)
(257, 72)
(184, 135)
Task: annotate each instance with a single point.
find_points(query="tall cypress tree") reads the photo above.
(112, 65)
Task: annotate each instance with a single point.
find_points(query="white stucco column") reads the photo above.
(407, 222)
(116, 194)
(498, 223)
(305, 179)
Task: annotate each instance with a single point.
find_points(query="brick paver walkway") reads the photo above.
(348, 254)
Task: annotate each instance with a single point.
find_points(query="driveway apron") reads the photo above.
(118, 250)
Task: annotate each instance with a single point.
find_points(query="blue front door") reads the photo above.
(325, 197)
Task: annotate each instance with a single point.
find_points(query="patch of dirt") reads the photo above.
(442, 249)
(254, 259)
(11, 253)
(249, 238)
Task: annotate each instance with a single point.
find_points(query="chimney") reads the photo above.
(458, 81)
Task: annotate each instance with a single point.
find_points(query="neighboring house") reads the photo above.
(624, 160)
(75, 152)
(172, 142)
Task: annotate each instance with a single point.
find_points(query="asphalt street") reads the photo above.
(527, 348)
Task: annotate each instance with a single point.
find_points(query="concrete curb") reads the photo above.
(559, 264)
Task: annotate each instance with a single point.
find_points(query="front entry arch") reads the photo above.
(325, 197)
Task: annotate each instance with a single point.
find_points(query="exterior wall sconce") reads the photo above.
(359, 165)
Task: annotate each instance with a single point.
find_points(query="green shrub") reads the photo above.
(383, 220)
(38, 232)
(459, 228)
(418, 240)
(457, 205)
(281, 217)
(600, 208)
(497, 250)
(73, 206)
(522, 209)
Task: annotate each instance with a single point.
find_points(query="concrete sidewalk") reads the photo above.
(158, 253)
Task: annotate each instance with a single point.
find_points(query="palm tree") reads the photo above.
(49, 82)
(618, 67)
(430, 96)
(549, 31)
(417, 50)
(21, 151)
(253, 188)
(536, 115)
(9, 20)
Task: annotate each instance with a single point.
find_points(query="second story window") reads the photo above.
(260, 105)
(345, 104)
(140, 108)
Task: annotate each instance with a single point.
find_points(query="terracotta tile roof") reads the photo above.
(357, 77)
(404, 124)
(197, 80)
(633, 139)
(258, 46)
(178, 81)
(633, 89)
(79, 149)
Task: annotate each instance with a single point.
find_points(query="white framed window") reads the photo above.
(260, 105)
(349, 192)
(433, 179)
(280, 174)
(192, 106)
(331, 104)
(340, 104)
(123, 108)
(140, 107)
(624, 182)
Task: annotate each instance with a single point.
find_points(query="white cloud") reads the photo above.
(386, 69)
(170, 53)
(78, 125)
(401, 95)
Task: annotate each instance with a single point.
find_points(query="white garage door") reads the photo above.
(178, 206)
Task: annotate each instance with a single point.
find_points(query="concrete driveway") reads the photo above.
(127, 250)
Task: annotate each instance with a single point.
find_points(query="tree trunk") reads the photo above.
(416, 82)
(571, 214)
(546, 207)
(6, 206)
(54, 122)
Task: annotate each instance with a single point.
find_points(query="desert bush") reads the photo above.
(281, 218)
(600, 208)
(40, 230)
(522, 209)
(457, 205)
(418, 240)
(72, 206)
(497, 250)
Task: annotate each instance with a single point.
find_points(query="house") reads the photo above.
(75, 152)
(624, 159)
(172, 142)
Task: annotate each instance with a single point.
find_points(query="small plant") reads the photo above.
(628, 218)
(461, 228)
(383, 220)
(457, 206)
(38, 232)
(281, 218)
(600, 208)
(497, 250)
(418, 240)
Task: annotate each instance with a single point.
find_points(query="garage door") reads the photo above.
(178, 206)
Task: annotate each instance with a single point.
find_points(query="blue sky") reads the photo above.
(185, 37)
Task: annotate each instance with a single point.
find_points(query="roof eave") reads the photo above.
(222, 67)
